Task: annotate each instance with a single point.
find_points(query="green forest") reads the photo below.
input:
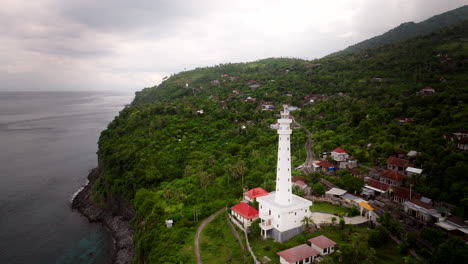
(168, 158)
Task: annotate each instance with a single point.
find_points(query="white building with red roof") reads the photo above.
(323, 245)
(281, 211)
(339, 154)
(251, 194)
(300, 254)
(244, 214)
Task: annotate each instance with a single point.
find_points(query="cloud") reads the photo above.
(121, 44)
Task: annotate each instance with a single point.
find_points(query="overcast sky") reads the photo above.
(132, 44)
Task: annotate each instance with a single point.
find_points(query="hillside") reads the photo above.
(168, 158)
(410, 29)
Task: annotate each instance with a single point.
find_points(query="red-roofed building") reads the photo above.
(244, 213)
(339, 154)
(377, 186)
(300, 254)
(401, 195)
(322, 244)
(397, 164)
(392, 177)
(251, 194)
(326, 166)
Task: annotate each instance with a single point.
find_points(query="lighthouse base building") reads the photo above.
(282, 222)
(281, 212)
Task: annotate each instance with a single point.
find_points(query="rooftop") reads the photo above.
(325, 164)
(380, 186)
(322, 241)
(256, 192)
(298, 253)
(398, 162)
(245, 210)
(339, 150)
(336, 191)
(296, 203)
(393, 175)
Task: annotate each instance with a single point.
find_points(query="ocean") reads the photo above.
(48, 144)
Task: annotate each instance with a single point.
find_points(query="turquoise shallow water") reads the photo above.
(48, 142)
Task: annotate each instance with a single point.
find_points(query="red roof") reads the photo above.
(298, 253)
(302, 183)
(378, 185)
(394, 175)
(398, 162)
(325, 164)
(404, 193)
(422, 204)
(245, 210)
(322, 242)
(339, 150)
(256, 192)
(297, 178)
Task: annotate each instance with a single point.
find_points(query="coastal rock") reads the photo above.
(119, 226)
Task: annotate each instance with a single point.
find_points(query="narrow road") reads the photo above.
(307, 165)
(200, 229)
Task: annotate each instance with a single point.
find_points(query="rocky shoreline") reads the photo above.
(119, 226)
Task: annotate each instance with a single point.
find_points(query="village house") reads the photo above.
(323, 245)
(426, 91)
(244, 214)
(339, 154)
(453, 226)
(251, 194)
(274, 125)
(410, 172)
(463, 144)
(401, 195)
(301, 183)
(249, 99)
(412, 153)
(397, 164)
(325, 166)
(334, 193)
(302, 254)
(420, 212)
(392, 177)
(267, 107)
(215, 82)
(375, 188)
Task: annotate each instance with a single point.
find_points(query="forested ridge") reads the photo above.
(169, 158)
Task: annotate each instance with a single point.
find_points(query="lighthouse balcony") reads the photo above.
(267, 222)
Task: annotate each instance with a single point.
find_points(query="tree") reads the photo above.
(307, 221)
(454, 250)
(378, 237)
(318, 189)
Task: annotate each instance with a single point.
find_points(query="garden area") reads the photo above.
(352, 242)
(333, 209)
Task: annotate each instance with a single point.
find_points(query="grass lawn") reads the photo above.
(386, 254)
(219, 245)
(328, 208)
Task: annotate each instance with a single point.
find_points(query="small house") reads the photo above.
(323, 245)
(410, 172)
(420, 211)
(401, 195)
(392, 177)
(301, 254)
(334, 193)
(397, 164)
(339, 154)
(426, 91)
(244, 214)
(251, 194)
(376, 187)
(325, 166)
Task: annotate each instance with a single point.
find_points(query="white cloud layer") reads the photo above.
(128, 45)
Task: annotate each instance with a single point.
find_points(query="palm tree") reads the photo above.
(307, 221)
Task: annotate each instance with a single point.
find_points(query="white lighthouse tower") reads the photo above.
(281, 212)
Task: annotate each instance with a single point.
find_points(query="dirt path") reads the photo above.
(237, 236)
(307, 165)
(200, 229)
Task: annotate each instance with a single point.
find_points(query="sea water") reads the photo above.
(48, 144)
